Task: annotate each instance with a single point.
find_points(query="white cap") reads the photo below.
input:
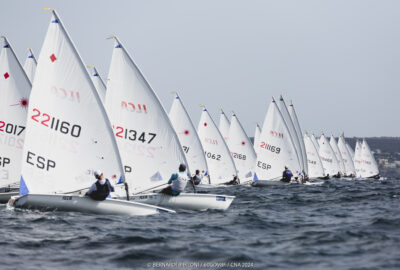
(97, 173)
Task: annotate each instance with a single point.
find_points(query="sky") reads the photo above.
(337, 60)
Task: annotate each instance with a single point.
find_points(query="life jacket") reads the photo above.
(179, 183)
(101, 192)
(196, 179)
(288, 174)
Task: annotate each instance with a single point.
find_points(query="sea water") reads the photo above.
(340, 224)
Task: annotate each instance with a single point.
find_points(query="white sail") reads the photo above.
(148, 144)
(68, 134)
(351, 151)
(30, 65)
(299, 134)
(346, 156)
(369, 167)
(224, 125)
(15, 88)
(328, 157)
(257, 134)
(219, 159)
(315, 167)
(98, 83)
(276, 148)
(314, 141)
(357, 159)
(335, 149)
(241, 149)
(292, 131)
(188, 137)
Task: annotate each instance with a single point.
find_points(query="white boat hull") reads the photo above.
(186, 201)
(245, 183)
(84, 204)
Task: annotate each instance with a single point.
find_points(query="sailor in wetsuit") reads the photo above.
(287, 175)
(196, 179)
(234, 181)
(101, 189)
(177, 182)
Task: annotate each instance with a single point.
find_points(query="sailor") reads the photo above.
(100, 189)
(286, 175)
(325, 177)
(196, 179)
(336, 175)
(234, 181)
(177, 182)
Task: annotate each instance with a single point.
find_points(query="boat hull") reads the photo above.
(6, 196)
(60, 202)
(186, 201)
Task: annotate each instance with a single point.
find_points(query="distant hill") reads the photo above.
(385, 144)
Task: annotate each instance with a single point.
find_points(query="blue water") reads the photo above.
(338, 225)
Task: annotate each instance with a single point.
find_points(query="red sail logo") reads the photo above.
(129, 106)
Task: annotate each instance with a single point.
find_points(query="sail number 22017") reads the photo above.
(11, 128)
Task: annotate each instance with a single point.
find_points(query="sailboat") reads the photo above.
(15, 88)
(224, 125)
(351, 151)
(299, 134)
(98, 82)
(30, 65)
(242, 150)
(357, 159)
(338, 155)
(369, 167)
(149, 146)
(257, 133)
(328, 158)
(189, 138)
(315, 167)
(219, 159)
(292, 131)
(349, 169)
(314, 141)
(68, 136)
(276, 149)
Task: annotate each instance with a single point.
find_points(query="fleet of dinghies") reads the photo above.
(59, 122)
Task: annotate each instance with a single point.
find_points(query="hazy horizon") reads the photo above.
(337, 60)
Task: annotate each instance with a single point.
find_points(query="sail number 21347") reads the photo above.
(133, 135)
